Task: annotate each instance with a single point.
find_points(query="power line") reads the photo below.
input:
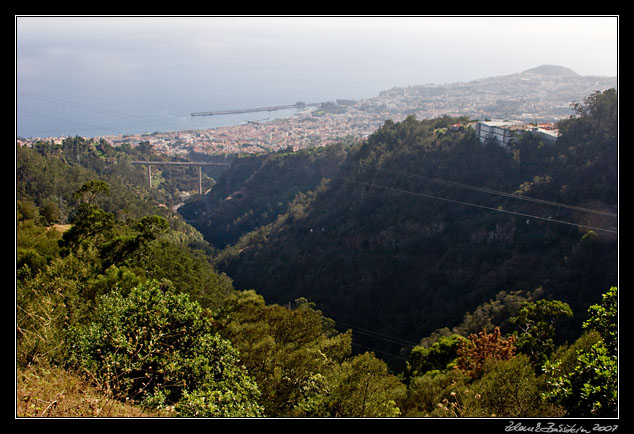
(377, 335)
(486, 190)
(459, 202)
(496, 192)
(429, 196)
(379, 351)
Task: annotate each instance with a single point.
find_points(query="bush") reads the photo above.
(157, 347)
(441, 355)
(586, 383)
(479, 348)
(509, 388)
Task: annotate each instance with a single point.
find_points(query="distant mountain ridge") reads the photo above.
(554, 70)
(541, 94)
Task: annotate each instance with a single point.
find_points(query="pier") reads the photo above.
(298, 105)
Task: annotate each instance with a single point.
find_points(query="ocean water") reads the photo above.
(44, 114)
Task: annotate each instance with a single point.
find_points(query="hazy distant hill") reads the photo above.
(543, 93)
(555, 70)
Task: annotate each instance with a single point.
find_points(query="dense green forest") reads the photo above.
(404, 235)
(365, 280)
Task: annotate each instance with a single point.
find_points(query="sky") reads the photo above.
(205, 63)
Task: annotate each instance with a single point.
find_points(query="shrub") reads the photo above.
(586, 384)
(441, 355)
(509, 388)
(158, 347)
(481, 347)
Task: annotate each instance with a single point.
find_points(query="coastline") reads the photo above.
(528, 97)
(299, 130)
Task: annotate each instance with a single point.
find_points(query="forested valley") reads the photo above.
(418, 273)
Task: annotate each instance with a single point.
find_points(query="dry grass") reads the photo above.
(55, 392)
(59, 228)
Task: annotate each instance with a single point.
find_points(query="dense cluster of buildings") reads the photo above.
(301, 131)
(532, 98)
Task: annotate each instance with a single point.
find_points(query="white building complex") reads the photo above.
(503, 132)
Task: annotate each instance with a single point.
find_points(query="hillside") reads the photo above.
(257, 189)
(401, 248)
(553, 70)
(389, 243)
(541, 94)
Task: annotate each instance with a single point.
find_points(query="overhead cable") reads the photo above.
(476, 205)
(377, 335)
(495, 192)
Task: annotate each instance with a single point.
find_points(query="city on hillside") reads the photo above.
(534, 99)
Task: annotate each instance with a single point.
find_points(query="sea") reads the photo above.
(44, 114)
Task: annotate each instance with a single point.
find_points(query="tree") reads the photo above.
(89, 224)
(536, 321)
(439, 356)
(26, 210)
(161, 349)
(493, 313)
(36, 246)
(481, 347)
(50, 212)
(601, 105)
(365, 388)
(507, 388)
(89, 191)
(150, 227)
(48, 303)
(290, 351)
(590, 387)
(425, 393)
(603, 318)
(129, 247)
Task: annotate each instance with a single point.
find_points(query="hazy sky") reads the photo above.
(362, 52)
(279, 60)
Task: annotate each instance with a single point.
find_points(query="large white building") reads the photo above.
(503, 132)
(499, 131)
